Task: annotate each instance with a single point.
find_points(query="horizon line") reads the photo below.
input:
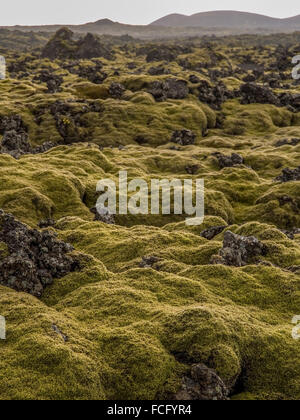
(148, 24)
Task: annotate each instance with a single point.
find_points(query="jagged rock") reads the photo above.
(47, 223)
(103, 215)
(287, 142)
(192, 169)
(202, 384)
(92, 73)
(116, 90)
(229, 161)
(289, 175)
(290, 100)
(169, 89)
(252, 93)
(15, 141)
(161, 54)
(62, 45)
(53, 81)
(15, 144)
(212, 232)
(19, 66)
(183, 137)
(148, 262)
(286, 199)
(33, 259)
(158, 71)
(12, 122)
(91, 47)
(194, 79)
(214, 96)
(283, 58)
(250, 78)
(239, 250)
(43, 148)
(291, 233)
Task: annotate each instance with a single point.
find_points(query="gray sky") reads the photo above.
(38, 12)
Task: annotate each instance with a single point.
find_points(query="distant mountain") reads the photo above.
(227, 19)
(176, 26)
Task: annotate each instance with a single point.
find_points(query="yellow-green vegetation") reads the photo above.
(127, 325)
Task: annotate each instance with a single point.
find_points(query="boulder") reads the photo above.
(289, 175)
(239, 250)
(116, 90)
(183, 137)
(212, 232)
(229, 161)
(202, 384)
(252, 93)
(33, 258)
(214, 96)
(169, 89)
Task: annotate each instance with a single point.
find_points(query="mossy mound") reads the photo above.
(126, 325)
(123, 327)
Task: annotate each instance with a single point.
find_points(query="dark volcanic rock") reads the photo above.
(43, 148)
(33, 258)
(290, 100)
(183, 137)
(194, 79)
(212, 232)
(291, 233)
(53, 81)
(239, 250)
(229, 161)
(169, 89)
(286, 199)
(252, 93)
(161, 54)
(103, 215)
(214, 96)
(202, 384)
(15, 144)
(92, 73)
(91, 47)
(62, 45)
(15, 138)
(158, 71)
(287, 142)
(15, 141)
(192, 169)
(148, 262)
(116, 90)
(11, 122)
(289, 175)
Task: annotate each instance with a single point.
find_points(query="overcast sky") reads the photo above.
(38, 12)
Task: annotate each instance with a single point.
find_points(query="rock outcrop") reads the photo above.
(62, 45)
(239, 251)
(30, 259)
(169, 89)
(183, 137)
(202, 384)
(289, 175)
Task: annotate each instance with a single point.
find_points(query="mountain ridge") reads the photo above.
(219, 23)
(224, 18)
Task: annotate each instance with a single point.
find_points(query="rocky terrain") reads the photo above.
(146, 307)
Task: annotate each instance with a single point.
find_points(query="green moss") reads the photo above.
(3, 250)
(133, 332)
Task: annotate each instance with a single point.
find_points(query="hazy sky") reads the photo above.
(37, 12)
